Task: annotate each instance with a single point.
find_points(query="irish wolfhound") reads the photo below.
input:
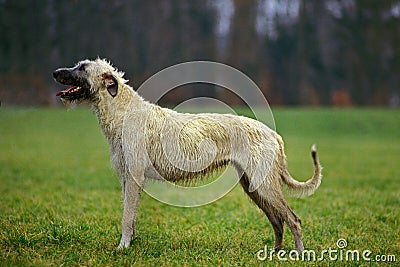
(148, 141)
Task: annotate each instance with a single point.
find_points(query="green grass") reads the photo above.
(61, 204)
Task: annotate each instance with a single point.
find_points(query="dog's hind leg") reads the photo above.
(272, 214)
(278, 212)
(131, 197)
(293, 222)
(285, 214)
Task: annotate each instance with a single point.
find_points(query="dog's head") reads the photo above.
(89, 80)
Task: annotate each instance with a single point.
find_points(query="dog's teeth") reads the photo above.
(75, 89)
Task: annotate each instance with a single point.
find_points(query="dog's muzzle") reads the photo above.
(71, 76)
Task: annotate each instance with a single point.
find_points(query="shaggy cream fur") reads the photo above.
(148, 141)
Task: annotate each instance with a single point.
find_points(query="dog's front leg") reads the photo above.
(131, 196)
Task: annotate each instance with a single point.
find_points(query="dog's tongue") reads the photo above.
(66, 90)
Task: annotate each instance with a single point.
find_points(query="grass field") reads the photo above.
(61, 204)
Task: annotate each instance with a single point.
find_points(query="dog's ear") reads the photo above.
(111, 83)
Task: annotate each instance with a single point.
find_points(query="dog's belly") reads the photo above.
(172, 173)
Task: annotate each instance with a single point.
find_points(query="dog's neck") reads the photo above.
(112, 125)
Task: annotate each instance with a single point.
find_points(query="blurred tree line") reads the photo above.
(309, 52)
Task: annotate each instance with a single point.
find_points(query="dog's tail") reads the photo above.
(303, 189)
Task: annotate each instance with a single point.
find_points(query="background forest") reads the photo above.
(299, 52)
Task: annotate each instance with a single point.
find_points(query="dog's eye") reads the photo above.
(82, 67)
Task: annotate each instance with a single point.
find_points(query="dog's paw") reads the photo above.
(125, 243)
(122, 246)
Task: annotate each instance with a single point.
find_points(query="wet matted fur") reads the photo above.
(148, 141)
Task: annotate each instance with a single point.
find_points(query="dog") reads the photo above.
(150, 142)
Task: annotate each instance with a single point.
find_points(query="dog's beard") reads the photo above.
(70, 104)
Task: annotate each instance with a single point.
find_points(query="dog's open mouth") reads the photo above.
(70, 93)
(74, 92)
